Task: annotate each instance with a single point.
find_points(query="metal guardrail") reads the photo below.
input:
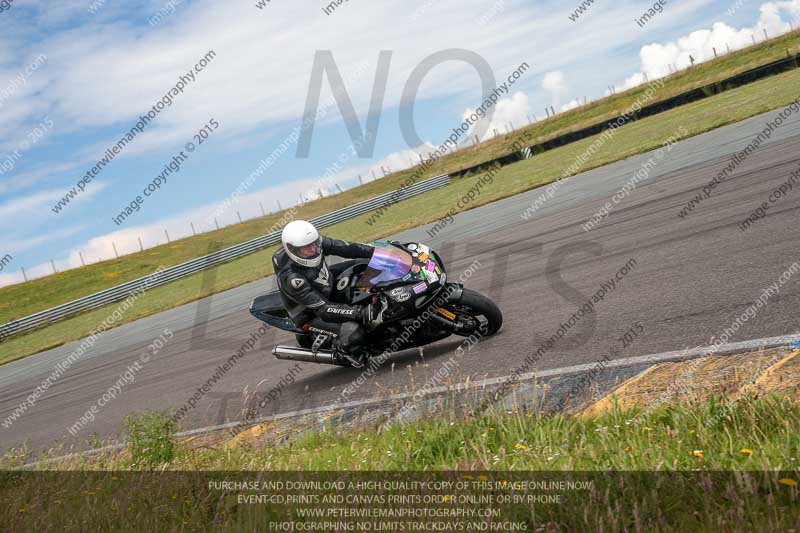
(120, 292)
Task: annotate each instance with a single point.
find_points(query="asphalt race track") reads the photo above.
(692, 277)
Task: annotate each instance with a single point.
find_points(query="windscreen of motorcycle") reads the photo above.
(388, 263)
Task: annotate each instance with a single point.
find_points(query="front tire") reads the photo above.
(479, 305)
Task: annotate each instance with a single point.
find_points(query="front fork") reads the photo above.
(454, 292)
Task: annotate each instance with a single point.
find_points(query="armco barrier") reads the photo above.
(194, 266)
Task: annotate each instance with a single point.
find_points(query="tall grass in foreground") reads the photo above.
(697, 439)
(748, 433)
(692, 446)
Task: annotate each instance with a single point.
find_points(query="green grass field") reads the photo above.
(732, 106)
(752, 434)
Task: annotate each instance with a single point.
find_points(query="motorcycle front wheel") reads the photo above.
(480, 308)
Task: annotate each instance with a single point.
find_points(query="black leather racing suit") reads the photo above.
(312, 300)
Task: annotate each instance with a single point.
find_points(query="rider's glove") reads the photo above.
(372, 315)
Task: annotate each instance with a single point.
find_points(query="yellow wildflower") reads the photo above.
(788, 482)
(696, 453)
(520, 446)
(746, 451)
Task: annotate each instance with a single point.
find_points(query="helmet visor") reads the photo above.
(309, 251)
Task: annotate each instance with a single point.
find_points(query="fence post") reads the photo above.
(114, 246)
(361, 180)
(53, 264)
(192, 225)
(24, 275)
(547, 112)
(166, 234)
(80, 254)
(238, 214)
(141, 248)
(553, 109)
(263, 213)
(529, 119)
(728, 47)
(715, 50)
(754, 38)
(373, 175)
(766, 38)
(216, 223)
(279, 205)
(337, 186)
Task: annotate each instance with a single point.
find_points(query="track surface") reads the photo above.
(693, 277)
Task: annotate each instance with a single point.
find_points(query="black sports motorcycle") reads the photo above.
(421, 306)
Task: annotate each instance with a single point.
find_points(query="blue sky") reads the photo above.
(76, 75)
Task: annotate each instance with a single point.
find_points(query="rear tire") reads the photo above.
(483, 306)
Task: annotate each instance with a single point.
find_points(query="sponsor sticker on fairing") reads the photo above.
(420, 287)
(423, 248)
(400, 298)
(432, 277)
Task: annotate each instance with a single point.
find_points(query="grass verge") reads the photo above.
(632, 139)
(706, 441)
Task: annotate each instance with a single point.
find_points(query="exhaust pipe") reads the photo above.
(291, 353)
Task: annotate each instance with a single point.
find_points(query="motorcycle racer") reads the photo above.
(306, 283)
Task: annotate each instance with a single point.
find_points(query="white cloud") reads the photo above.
(509, 112)
(572, 104)
(32, 177)
(699, 45)
(14, 211)
(556, 84)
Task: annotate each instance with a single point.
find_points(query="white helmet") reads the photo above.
(302, 243)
